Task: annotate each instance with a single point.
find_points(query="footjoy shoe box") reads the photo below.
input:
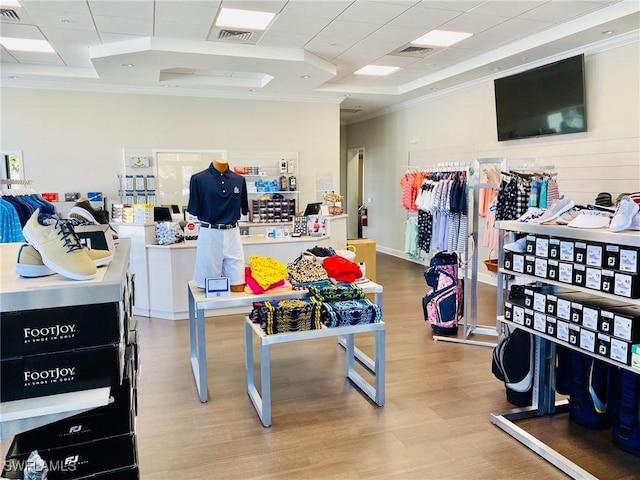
(61, 372)
(116, 418)
(95, 236)
(30, 332)
(83, 460)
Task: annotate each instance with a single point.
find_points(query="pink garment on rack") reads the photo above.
(408, 193)
(491, 233)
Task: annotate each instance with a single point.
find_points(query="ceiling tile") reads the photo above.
(72, 45)
(322, 9)
(38, 58)
(131, 26)
(559, 11)
(6, 57)
(457, 5)
(366, 52)
(484, 41)
(120, 8)
(348, 30)
(517, 28)
(284, 40)
(183, 12)
(274, 6)
(472, 23)
(29, 32)
(73, 20)
(182, 31)
(452, 55)
(372, 12)
(397, 60)
(298, 24)
(507, 8)
(396, 34)
(424, 18)
(70, 6)
(329, 48)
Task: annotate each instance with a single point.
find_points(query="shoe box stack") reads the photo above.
(612, 269)
(57, 350)
(272, 210)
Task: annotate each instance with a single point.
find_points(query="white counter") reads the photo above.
(170, 267)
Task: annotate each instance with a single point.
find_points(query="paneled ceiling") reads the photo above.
(309, 52)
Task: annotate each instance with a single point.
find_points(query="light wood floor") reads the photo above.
(435, 424)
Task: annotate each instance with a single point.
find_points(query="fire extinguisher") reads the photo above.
(364, 217)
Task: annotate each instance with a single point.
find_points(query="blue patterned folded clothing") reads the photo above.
(350, 312)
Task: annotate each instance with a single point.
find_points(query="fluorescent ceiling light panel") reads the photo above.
(250, 19)
(10, 3)
(26, 45)
(377, 70)
(441, 38)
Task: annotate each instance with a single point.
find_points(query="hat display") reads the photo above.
(604, 199)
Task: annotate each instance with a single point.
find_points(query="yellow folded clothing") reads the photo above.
(267, 271)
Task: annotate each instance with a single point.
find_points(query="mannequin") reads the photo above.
(218, 196)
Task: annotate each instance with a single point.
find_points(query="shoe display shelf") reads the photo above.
(546, 338)
(62, 314)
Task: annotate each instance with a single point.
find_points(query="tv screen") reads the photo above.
(548, 100)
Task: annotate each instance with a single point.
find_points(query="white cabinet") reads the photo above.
(591, 257)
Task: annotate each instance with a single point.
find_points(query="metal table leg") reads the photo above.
(198, 347)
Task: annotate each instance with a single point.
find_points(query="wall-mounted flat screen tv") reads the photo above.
(548, 100)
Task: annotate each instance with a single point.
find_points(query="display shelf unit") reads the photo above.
(54, 292)
(544, 397)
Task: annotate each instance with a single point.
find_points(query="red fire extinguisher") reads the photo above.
(364, 217)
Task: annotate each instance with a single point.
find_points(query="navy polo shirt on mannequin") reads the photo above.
(216, 197)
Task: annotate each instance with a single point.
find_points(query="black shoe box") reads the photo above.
(552, 326)
(626, 285)
(60, 372)
(562, 330)
(553, 270)
(579, 274)
(541, 266)
(551, 301)
(539, 322)
(542, 246)
(629, 259)
(116, 418)
(607, 281)
(603, 345)
(580, 253)
(593, 279)
(577, 307)
(518, 263)
(595, 255)
(83, 460)
(30, 332)
(508, 311)
(592, 313)
(612, 257)
(626, 322)
(574, 334)
(535, 296)
(588, 340)
(530, 245)
(98, 237)
(565, 272)
(566, 251)
(528, 317)
(507, 261)
(529, 265)
(554, 248)
(621, 351)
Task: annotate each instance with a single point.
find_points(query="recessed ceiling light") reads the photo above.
(305, 76)
(441, 38)
(252, 90)
(64, 20)
(13, 77)
(128, 65)
(346, 95)
(377, 70)
(251, 19)
(433, 89)
(26, 45)
(608, 32)
(495, 69)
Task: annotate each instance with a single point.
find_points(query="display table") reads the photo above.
(199, 304)
(262, 400)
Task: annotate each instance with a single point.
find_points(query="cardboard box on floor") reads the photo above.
(365, 252)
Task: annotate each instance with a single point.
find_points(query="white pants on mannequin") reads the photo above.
(219, 254)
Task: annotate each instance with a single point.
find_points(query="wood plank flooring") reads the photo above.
(435, 424)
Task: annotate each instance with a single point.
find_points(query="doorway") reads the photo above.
(355, 191)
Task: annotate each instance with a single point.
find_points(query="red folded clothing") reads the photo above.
(342, 269)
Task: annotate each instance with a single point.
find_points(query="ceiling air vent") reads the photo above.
(236, 35)
(9, 14)
(412, 51)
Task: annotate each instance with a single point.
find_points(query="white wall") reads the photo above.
(74, 141)
(461, 126)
